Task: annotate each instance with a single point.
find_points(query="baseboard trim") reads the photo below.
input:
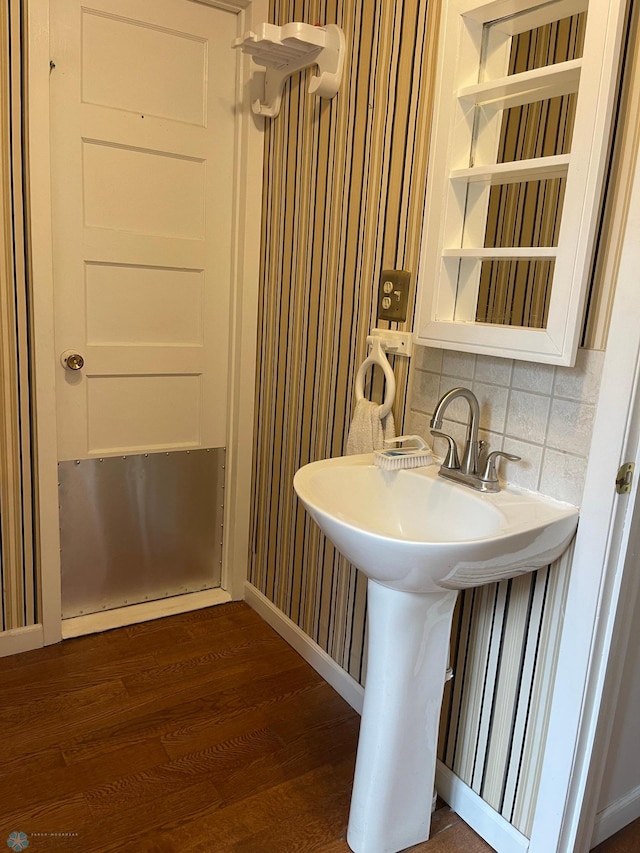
(324, 665)
(119, 617)
(616, 816)
(473, 810)
(18, 640)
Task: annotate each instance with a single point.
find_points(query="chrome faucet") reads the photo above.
(469, 463)
(467, 472)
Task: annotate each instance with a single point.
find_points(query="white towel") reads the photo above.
(367, 431)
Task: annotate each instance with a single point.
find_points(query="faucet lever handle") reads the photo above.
(451, 459)
(490, 474)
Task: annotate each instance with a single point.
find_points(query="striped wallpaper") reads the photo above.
(495, 709)
(343, 197)
(617, 190)
(18, 603)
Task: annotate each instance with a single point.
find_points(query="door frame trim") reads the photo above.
(41, 287)
(244, 315)
(247, 230)
(595, 616)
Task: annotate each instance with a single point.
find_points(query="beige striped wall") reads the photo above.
(18, 603)
(344, 188)
(495, 710)
(343, 196)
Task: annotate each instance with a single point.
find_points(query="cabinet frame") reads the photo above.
(472, 89)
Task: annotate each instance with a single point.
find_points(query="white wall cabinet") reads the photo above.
(508, 237)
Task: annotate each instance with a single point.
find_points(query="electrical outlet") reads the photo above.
(393, 295)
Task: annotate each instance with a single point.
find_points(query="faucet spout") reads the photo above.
(467, 472)
(469, 464)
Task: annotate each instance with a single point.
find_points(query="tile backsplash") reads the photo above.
(540, 412)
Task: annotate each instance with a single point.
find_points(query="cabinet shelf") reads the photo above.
(508, 254)
(563, 78)
(519, 171)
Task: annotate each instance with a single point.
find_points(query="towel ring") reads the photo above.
(377, 356)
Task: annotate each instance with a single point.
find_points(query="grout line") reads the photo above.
(541, 468)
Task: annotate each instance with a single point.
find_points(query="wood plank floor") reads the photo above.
(198, 732)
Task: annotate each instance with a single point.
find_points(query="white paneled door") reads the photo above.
(143, 101)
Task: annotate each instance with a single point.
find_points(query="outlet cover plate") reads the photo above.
(393, 295)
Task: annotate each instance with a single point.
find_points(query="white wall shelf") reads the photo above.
(285, 50)
(538, 169)
(474, 89)
(501, 254)
(526, 87)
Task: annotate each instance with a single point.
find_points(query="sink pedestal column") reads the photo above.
(408, 652)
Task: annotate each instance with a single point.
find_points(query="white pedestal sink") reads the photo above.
(419, 539)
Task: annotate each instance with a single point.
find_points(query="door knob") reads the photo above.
(72, 360)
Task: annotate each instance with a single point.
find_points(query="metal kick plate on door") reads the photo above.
(139, 528)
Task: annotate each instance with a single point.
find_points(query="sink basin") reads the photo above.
(413, 531)
(419, 539)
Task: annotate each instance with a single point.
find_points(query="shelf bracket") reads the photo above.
(293, 47)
